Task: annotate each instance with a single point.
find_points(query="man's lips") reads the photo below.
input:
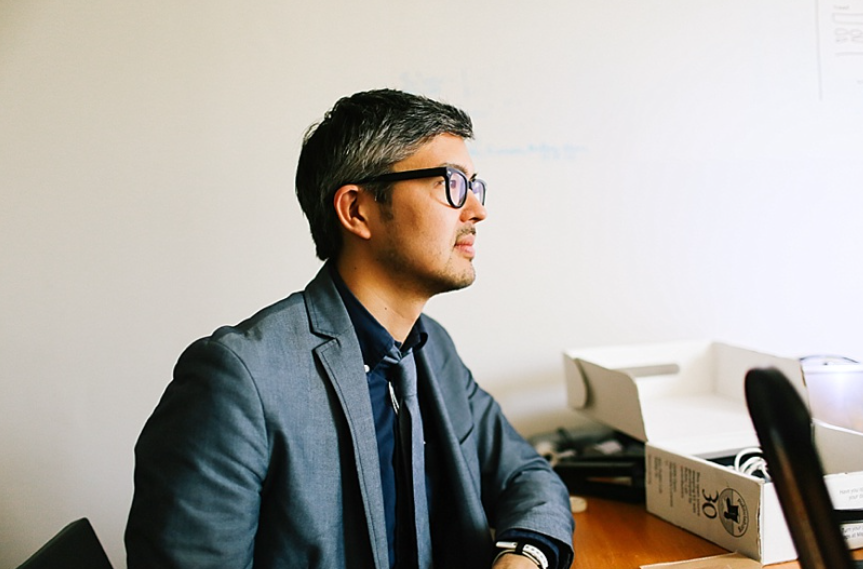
(465, 243)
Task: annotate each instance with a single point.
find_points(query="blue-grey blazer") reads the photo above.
(262, 453)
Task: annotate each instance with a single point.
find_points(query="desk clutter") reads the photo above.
(596, 462)
(681, 406)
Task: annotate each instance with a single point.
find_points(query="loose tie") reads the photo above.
(412, 453)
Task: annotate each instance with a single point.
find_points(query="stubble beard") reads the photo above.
(422, 280)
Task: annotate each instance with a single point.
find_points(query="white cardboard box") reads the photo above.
(686, 401)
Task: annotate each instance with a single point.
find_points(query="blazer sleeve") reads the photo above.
(200, 463)
(519, 488)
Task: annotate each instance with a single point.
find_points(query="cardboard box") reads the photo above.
(686, 402)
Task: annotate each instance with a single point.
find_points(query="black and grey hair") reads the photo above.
(363, 136)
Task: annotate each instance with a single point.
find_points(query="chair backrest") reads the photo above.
(784, 428)
(75, 547)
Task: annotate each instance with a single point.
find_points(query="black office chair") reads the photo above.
(783, 425)
(75, 547)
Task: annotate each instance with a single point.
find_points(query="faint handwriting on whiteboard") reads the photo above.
(840, 47)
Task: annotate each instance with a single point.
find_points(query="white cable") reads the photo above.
(752, 465)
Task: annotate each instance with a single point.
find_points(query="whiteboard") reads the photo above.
(658, 170)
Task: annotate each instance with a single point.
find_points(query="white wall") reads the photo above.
(659, 169)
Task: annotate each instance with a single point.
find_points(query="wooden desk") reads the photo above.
(618, 535)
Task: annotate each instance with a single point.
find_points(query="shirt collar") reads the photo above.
(375, 341)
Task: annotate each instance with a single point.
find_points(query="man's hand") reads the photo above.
(513, 561)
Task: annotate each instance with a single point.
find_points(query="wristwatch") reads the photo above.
(532, 552)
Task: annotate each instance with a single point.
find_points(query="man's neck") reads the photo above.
(395, 309)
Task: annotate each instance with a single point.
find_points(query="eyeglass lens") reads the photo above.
(458, 186)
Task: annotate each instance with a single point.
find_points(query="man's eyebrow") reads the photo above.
(458, 167)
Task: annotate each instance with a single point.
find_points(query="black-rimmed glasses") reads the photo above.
(457, 183)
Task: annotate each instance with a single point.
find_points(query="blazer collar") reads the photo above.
(327, 313)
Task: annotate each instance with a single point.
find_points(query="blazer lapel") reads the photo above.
(342, 362)
(454, 461)
(460, 521)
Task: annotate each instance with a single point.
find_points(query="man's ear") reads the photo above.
(351, 203)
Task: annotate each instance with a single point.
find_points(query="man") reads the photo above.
(338, 427)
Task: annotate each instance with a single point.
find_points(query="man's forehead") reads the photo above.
(441, 150)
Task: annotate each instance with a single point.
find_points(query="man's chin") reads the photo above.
(456, 282)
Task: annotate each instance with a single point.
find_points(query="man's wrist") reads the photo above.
(513, 561)
(527, 550)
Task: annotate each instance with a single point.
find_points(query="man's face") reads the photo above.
(425, 244)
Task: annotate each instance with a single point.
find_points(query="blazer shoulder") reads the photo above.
(303, 319)
(289, 312)
(280, 328)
